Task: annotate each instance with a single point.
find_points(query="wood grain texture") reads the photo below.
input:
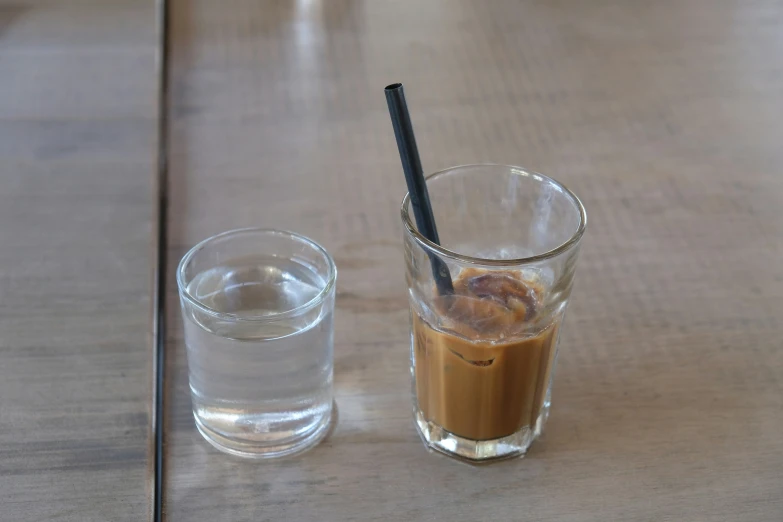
(77, 146)
(663, 116)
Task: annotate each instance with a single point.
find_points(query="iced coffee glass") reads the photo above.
(483, 352)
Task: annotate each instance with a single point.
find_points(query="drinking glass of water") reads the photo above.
(257, 306)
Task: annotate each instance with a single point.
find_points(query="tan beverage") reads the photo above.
(484, 376)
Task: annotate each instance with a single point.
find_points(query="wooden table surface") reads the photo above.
(77, 147)
(664, 117)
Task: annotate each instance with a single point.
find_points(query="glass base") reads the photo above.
(289, 448)
(475, 451)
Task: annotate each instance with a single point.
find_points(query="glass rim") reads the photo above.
(315, 301)
(445, 252)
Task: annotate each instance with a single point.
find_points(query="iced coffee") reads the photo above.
(487, 301)
(482, 375)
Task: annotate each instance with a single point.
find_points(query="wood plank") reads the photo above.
(77, 156)
(662, 116)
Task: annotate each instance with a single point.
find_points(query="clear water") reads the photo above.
(260, 387)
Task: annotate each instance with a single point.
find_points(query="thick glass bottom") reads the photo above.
(475, 451)
(288, 447)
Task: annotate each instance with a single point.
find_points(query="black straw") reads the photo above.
(414, 177)
(157, 424)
